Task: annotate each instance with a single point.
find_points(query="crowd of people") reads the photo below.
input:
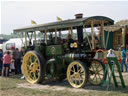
(10, 61)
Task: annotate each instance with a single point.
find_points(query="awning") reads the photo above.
(118, 25)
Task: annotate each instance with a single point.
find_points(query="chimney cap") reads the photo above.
(79, 15)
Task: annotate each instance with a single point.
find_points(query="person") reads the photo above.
(12, 67)
(123, 62)
(13, 55)
(111, 53)
(6, 63)
(17, 60)
(16, 57)
(1, 55)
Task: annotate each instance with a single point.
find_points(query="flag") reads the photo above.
(58, 18)
(33, 22)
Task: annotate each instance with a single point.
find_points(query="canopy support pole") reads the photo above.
(71, 32)
(59, 33)
(41, 34)
(55, 35)
(25, 40)
(107, 40)
(46, 36)
(92, 31)
(103, 39)
(123, 36)
(35, 37)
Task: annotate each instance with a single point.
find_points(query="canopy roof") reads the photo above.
(118, 25)
(66, 24)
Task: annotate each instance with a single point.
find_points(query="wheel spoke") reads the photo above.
(96, 77)
(72, 76)
(92, 67)
(73, 68)
(36, 61)
(30, 59)
(100, 70)
(77, 67)
(79, 81)
(101, 74)
(98, 65)
(75, 80)
(82, 74)
(30, 74)
(79, 70)
(34, 76)
(99, 77)
(38, 70)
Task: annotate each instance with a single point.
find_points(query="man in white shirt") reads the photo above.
(110, 53)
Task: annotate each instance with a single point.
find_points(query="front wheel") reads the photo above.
(33, 67)
(77, 74)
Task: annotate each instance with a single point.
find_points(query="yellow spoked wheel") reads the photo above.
(96, 72)
(77, 74)
(32, 67)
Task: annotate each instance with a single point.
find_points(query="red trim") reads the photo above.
(104, 60)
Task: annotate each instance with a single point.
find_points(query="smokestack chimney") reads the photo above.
(80, 15)
(79, 31)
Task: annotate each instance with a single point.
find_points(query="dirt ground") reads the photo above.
(64, 85)
(18, 87)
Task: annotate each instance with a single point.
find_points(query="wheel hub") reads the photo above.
(34, 67)
(77, 75)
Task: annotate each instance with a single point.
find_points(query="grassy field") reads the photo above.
(10, 87)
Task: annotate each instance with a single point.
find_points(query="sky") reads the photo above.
(17, 14)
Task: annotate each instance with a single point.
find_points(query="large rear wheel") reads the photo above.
(96, 72)
(77, 74)
(33, 67)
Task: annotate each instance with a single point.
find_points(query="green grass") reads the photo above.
(8, 87)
